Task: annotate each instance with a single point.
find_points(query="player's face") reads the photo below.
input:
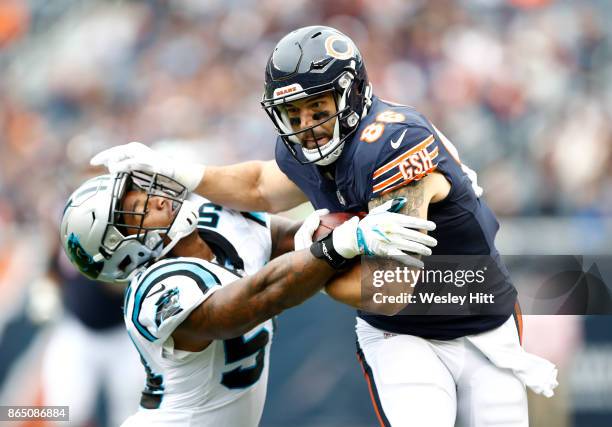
(157, 211)
(307, 112)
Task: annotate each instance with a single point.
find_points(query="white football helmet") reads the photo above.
(95, 236)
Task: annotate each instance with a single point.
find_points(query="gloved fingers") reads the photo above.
(303, 237)
(313, 220)
(410, 234)
(409, 246)
(393, 205)
(402, 258)
(320, 212)
(127, 165)
(103, 157)
(401, 219)
(119, 152)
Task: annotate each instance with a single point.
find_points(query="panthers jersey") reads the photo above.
(225, 384)
(393, 146)
(239, 240)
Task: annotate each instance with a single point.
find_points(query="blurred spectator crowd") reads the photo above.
(521, 87)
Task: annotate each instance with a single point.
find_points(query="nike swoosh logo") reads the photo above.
(160, 289)
(397, 143)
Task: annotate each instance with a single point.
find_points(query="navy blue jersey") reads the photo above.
(394, 146)
(93, 303)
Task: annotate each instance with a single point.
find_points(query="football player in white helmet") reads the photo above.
(202, 330)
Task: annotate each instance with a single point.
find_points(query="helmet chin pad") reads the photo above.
(324, 155)
(185, 222)
(130, 258)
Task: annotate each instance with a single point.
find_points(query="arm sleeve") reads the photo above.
(263, 232)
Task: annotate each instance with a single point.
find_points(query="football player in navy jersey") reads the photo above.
(344, 149)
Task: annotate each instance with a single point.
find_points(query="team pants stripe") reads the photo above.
(518, 320)
(367, 373)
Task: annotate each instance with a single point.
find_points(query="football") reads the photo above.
(331, 221)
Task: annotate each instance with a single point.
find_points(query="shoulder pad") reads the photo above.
(408, 154)
(166, 293)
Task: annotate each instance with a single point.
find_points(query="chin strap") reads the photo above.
(333, 155)
(329, 158)
(329, 155)
(368, 100)
(185, 222)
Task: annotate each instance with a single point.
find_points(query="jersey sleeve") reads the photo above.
(407, 155)
(167, 294)
(262, 226)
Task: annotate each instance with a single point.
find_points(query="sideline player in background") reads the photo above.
(201, 327)
(88, 352)
(344, 149)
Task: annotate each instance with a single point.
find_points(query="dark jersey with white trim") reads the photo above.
(95, 304)
(395, 146)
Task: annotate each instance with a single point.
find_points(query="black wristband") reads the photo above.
(324, 249)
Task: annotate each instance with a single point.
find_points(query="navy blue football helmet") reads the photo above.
(313, 61)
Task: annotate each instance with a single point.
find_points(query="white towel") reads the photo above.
(501, 346)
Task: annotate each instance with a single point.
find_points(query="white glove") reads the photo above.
(303, 237)
(137, 156)
(385, 233)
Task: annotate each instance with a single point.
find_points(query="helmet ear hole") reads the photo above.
(125, 262)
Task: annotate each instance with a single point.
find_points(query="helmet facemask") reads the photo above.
(346, 115)
(153, 185)
(99, 240)
(126, 249)
(183, 222)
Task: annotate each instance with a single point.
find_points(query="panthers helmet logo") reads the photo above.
(168, 305)
(79, 257)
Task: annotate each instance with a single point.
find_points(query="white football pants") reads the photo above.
(78, 361)
(432, 383)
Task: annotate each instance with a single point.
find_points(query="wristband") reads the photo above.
(324, 249)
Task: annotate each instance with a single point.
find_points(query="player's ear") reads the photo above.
(158, 202)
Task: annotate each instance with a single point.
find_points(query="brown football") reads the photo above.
(331, 221)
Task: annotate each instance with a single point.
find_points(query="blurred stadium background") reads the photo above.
(522, 87)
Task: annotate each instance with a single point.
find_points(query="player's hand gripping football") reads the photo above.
(137, 156)
(383, 232)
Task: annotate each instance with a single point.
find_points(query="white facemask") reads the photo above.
(186, 221)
